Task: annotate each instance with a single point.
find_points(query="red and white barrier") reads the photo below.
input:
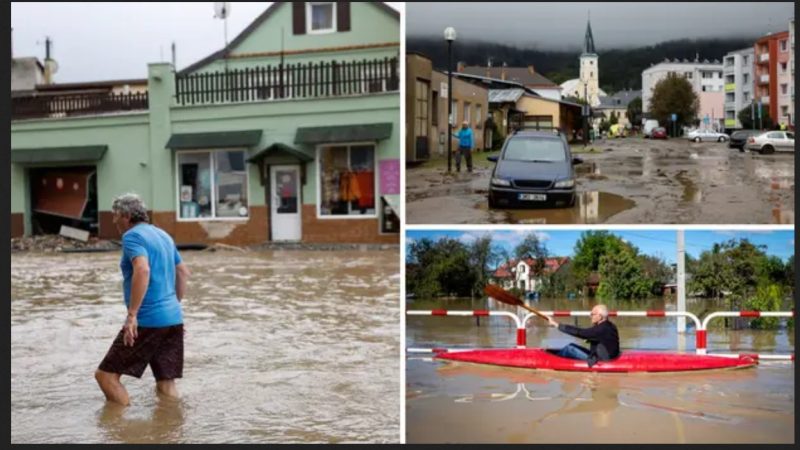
(701, 336)
(521, 333)
(618, 314)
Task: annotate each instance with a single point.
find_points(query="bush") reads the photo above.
(767, 298)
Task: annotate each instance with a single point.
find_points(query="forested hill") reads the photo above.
(619, 68)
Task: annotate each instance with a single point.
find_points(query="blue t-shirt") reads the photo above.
(160, 306)
(465, 138)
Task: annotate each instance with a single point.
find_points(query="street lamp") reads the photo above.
(449, 36)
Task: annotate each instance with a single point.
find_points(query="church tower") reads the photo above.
(589, 69)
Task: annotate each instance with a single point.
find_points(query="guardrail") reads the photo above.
(701, 327)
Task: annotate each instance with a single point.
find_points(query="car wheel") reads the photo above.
(767, 150)
(697, 139)
(721, 139)
(572, 200)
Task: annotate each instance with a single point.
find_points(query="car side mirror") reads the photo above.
(492, 158)
(576, 161)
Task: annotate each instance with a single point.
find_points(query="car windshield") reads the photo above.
(535, 150)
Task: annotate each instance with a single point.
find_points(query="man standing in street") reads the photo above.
(154, 282)
(465, 143)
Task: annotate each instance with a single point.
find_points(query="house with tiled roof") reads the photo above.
(523, 273)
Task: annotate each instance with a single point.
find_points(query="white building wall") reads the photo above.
(704, 77)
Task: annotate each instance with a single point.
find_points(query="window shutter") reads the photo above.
(299, 17)
(342, 16)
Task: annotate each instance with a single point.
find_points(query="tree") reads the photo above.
(621, 277)
(655, 271)
(532, 247)
(635, 111)
(590, 248)
(674, 95)
(613, 119)
(440, 268)
(748, 117)
(482, 256)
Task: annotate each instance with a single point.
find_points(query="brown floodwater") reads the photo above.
(280, 346)
(461, 402)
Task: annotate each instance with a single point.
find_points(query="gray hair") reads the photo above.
(603, 310)
(132, 206)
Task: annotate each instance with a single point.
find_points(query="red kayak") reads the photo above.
(629, 361)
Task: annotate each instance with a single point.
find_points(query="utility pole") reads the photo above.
(681, 281)
(585, 114)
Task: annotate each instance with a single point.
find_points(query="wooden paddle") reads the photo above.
(502, 295)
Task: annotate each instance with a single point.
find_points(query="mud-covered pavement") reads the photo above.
(630, 181)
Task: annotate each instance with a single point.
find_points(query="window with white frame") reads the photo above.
(467, 113)
(454, 114)
(478, 117)
(212, 184)
(321, 17)
(784, 46)
(346, 180)
(784, 89)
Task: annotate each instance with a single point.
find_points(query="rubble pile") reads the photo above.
(52, 243)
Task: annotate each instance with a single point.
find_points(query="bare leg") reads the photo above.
(111, 387)
(167, 388)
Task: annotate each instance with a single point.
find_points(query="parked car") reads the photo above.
(649, 126)
(739, 138)
(534, 168)
(659, 133)
(771, 141)
(707, 135)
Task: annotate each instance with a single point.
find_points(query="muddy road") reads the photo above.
(627, 181)
(280, 346)
(471, 403)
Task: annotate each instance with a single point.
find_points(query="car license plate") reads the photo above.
(533, 197)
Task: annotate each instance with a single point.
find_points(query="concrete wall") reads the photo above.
(464, 94)
(540, 107)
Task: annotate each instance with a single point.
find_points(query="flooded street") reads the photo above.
(461, 402)
(628, 181)
(281, 346)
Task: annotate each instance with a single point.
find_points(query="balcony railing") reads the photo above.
(291, 81)
(69, 105)
(730, 87)
(764, 57)
(763, 79)
(765, 99)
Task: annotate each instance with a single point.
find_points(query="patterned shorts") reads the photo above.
(161, 348)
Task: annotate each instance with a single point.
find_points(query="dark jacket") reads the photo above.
(603, 339)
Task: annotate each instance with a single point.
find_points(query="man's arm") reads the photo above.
(181, 277)
(139, 283)
(583, 333)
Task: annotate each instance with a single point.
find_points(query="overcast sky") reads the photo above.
(561, 26)
(105, 41)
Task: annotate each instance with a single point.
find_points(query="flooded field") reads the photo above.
(628, 181)
(281, 346)
(460, 402)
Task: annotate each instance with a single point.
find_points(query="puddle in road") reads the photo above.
(590, 207)
(691, 193)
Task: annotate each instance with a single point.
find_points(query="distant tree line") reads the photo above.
(619, 68)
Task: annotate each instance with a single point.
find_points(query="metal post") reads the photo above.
(450, 118)
(681, 281)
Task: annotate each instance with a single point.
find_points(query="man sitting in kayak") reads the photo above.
(602, 337)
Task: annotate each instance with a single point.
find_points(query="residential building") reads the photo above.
(525, 76)
(707, 83)
(737, 69)
(513, 106)
(288, 133)
(773, 78)
(523, 273)
(618, 104)
(427, 109)
(587, 86)
(26, 74)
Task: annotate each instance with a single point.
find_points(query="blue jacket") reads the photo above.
(464, 138)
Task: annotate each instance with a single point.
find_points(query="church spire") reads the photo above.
(588, 41)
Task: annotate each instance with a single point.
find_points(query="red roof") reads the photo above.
(551, 265)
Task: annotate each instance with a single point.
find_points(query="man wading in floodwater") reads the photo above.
(602, 336)
(154, 282)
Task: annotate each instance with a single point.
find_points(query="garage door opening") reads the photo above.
(63, 196)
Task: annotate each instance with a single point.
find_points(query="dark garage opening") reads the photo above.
(63, 196)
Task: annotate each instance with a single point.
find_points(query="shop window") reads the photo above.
(212, 185)
(323, 17)
(347, 180)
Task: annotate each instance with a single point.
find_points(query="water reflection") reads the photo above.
(122, 424)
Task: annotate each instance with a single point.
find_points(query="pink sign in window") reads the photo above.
(390, 176)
